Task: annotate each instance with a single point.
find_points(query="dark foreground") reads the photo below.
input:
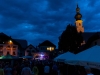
(35, 67)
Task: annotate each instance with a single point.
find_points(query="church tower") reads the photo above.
(78, 21)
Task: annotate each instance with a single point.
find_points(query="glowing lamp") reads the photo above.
(10, 42)
(41, 55)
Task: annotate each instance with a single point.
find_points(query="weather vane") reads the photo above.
(77, 2)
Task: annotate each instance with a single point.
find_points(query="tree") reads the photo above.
(70, 39)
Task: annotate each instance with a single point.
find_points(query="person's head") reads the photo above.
(46, 64)
(54, 63)
(87, 69)
(26, 65)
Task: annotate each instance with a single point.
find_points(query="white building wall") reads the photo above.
(5, 49)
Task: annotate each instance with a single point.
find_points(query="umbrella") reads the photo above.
(65, 56)
(89, 57)
(8, 57)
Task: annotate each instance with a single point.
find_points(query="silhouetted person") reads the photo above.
(88, 71)
(1, 70)
(26, 70)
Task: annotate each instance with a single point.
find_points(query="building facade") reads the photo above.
(30, 50)
(8, 49)
(10, 46)
(45, 50)
(46, 46)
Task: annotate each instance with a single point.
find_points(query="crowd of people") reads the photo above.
(47, 67)
(29, 67)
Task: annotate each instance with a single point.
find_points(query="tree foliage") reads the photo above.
(70, 39)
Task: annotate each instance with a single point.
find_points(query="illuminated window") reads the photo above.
(50, 48)
(8, 48)
(14, 53)
(14, 47)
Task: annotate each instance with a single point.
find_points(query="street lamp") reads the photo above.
(10, 42)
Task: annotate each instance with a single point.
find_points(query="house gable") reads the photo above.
(46, 46)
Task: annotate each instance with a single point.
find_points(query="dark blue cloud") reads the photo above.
(39, 20)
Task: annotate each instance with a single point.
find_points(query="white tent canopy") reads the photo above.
(89, 57)
(65, 56)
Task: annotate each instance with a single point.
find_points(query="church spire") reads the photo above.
(77, 9)
(78, 21)
(78, 16)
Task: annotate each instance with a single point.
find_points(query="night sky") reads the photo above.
(39, 20)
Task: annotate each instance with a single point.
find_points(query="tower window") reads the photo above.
(79, 24)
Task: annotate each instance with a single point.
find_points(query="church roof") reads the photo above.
(94, 36)
(87, 35)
